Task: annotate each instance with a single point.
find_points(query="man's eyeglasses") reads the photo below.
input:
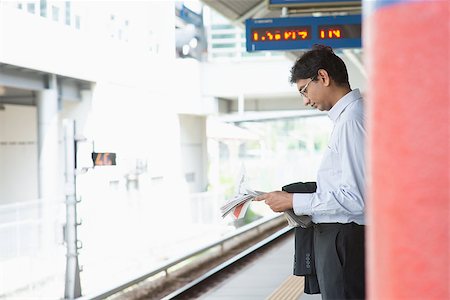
(303, 90)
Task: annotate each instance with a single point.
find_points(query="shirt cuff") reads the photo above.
(302, 203)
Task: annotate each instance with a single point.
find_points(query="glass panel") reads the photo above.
(31, 8)
(219, 46)
(67, 4)
(77, 22)
(222, 26)
(55, 13)
(223, 36)
(43, 8)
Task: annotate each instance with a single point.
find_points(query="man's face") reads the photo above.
(313, 93)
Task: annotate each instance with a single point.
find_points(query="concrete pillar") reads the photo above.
(407, 52)
(82, 113)
(241, 104)
(48, 157)
(214, 170)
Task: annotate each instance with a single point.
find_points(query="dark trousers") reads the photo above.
(339, 258)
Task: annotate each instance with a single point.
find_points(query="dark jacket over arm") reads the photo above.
(304, 243)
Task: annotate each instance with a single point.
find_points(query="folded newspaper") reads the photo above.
(239, 204)
(294, 220)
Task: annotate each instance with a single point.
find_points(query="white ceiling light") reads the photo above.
(186, 49)
(193, 43)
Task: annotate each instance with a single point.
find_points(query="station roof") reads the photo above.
(237, 11)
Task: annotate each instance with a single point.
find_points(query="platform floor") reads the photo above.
(260, 278)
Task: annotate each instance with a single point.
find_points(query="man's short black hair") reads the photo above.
(320, 57)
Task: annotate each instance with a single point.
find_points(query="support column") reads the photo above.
(241, 103)
(408, 108)
(48, 157)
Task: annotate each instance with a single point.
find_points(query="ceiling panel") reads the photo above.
(235, 9)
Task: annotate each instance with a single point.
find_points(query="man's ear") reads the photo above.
(323, 77)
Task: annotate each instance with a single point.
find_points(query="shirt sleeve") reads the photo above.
(302, 203)
(346, 198)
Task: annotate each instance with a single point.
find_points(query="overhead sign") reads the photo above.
(104, 159)
(298, 33)
(312, 3)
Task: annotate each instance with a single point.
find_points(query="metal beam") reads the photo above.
(18, 100)
(252, 13)
(28, 80)
(13, 77)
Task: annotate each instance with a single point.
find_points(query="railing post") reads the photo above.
(72, 282)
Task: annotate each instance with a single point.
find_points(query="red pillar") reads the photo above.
(407, 54)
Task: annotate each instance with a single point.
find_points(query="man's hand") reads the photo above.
(277, 201)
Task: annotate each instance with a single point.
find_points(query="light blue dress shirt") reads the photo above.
(340, 191)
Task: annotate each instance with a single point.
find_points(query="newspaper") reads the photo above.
(244, 196)
(239, 204)
(294, 220)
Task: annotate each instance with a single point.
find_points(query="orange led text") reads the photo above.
(331, 34)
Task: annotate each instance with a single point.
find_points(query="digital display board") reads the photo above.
(298, 33)
(104, 159)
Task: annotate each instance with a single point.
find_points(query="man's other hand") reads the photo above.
(278, 201)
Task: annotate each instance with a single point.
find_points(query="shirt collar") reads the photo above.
(342, 103)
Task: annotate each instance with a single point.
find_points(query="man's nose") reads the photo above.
(306, 100)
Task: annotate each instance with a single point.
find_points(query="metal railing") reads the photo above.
(21, 225)
(30, 232)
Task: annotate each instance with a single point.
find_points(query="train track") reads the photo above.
(213, 277)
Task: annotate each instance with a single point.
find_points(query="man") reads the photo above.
(337, 206)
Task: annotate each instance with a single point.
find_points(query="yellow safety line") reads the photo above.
(290, 289)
